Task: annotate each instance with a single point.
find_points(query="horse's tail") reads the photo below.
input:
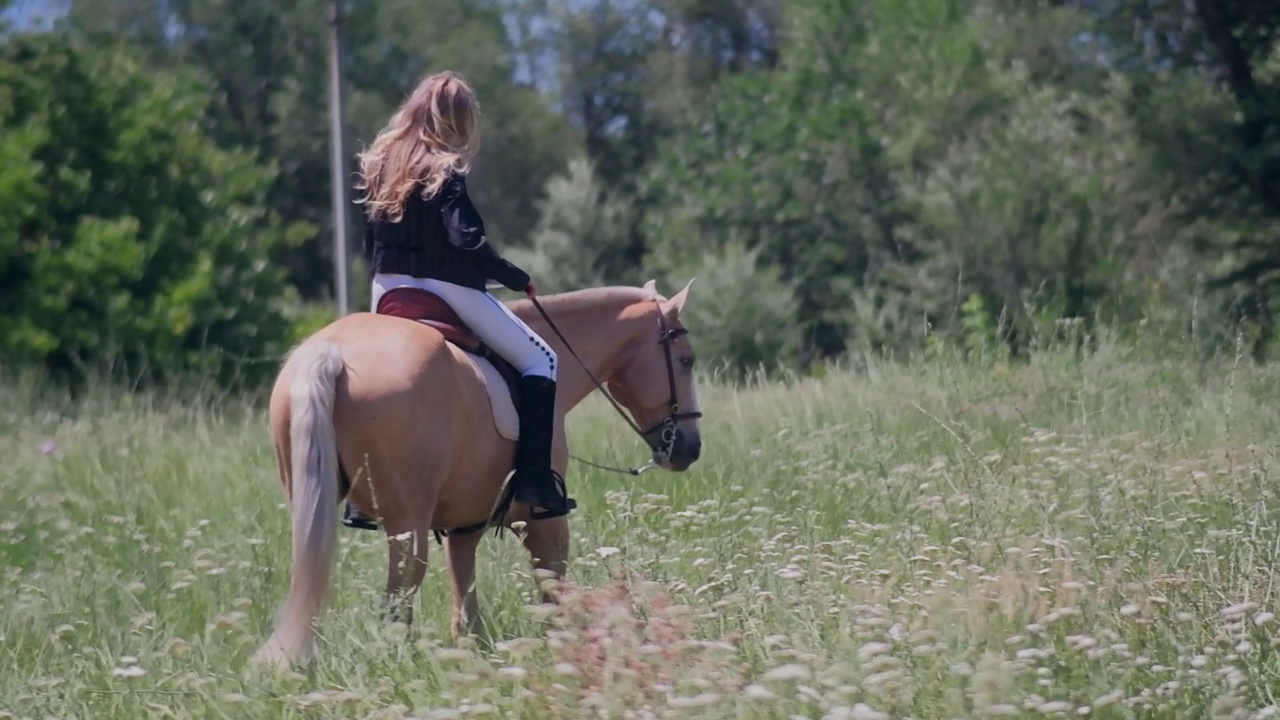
(314, 470)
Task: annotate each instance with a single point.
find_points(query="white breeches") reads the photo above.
(487, 317)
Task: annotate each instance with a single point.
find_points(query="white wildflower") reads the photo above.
(787, 673)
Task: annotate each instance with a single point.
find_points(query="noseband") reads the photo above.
(667, 426)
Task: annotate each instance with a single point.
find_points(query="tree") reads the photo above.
(896, 162)
(1216, 143)
(581, 236)
(128, 235)
(265, 64)
(629, 72)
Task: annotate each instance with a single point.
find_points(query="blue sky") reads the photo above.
(31, 14)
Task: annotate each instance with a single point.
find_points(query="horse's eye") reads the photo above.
(687, 361)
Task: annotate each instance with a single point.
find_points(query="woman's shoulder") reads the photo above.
(423, 194)
(453, 187)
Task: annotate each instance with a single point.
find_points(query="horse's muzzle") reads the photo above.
(685, 451)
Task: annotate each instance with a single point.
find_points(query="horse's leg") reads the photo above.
(548, 540)
(406, 567)
(548, 544)
(462, 572)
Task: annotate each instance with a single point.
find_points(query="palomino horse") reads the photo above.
(391, 410)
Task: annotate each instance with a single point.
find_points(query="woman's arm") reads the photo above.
(465, 230)
(462, 221)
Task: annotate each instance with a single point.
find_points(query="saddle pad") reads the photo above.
(505, 418)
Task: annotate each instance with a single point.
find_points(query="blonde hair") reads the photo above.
(431, 135)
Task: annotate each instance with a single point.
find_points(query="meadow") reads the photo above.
(1062, 537)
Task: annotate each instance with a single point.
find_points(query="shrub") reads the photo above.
(127, 238)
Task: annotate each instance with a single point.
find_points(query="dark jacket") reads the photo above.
(441, 238)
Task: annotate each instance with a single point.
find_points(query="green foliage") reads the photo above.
(265, 66)
(1222, 137)
(906, 157)
(913, 174)
(581, 237)
(808, 162)
(1055, 235)
(745, 317)
(127, 236)
(628, 73)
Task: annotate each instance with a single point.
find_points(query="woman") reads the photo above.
(422, 231)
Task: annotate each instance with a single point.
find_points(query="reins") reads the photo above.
(667, 426)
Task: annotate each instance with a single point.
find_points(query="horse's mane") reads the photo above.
(619, 295)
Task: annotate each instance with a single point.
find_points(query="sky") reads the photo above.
(33, 14)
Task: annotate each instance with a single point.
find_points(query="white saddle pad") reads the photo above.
(505, 418)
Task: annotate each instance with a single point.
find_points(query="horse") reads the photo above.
(396, 416)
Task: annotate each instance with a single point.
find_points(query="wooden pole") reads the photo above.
(338, 157)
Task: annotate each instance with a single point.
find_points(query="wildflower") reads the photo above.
(701, 700)
(515, 672)
(872, 649)
(452, 655)
(862, 711)
(787, 673)
(1110, 698)
(1237, 610)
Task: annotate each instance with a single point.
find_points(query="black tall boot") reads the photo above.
(534, 481)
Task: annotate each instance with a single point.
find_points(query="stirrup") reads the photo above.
(353, 518)
(568, 503)
(569, 506)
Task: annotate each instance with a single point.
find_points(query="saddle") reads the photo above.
(431, 310)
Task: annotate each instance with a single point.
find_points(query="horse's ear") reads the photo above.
(651, 287)
(676, 304)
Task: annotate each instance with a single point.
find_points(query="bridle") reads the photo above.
(666, 426)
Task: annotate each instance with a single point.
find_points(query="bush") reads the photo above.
(581, 239)
(742, 315)
(127, 238)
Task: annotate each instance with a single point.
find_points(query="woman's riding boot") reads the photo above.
(534, 481)
(353, 518)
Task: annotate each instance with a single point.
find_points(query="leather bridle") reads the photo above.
(668, 425)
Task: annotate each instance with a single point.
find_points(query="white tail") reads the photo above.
(314, 462)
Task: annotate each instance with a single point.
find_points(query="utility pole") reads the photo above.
(338, 157)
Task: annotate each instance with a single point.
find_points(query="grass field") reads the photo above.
(1060, 538)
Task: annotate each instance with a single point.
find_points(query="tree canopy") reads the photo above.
(845, 176)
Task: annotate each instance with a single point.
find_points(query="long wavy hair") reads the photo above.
(431, 135)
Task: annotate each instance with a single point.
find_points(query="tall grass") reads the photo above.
(1066, 537)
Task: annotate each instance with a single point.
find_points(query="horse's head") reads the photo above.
(656, 384)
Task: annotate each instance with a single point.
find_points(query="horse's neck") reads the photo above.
(599, 339)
